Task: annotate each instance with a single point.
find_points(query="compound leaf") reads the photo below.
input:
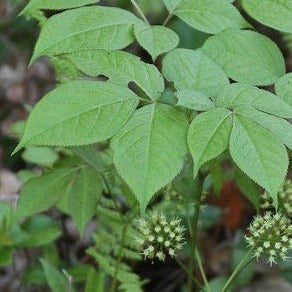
(259, 154)
(246, 56)
(237, 94)
(156, 39)
(194, 100)
(207, 15)
(189, 69)
(86, 28)
(79, 113)
(273, 13)
(149, 151)
(208, 135)
(120, 67)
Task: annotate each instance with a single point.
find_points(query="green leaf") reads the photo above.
(93, 157)
(80, 272)
(194, 100)
(217, 284)
(33, 275)
(273, 13)
(86, 28)
(56, 281)
(95, 281)
(171, 4)
(65, 71)
(149, 151)
(83, 196)
(207, 15)
(246, 56)
(40, 155)
(245, 276)
(156, 39)
(120, 67)
(237, 94)
(17, 128)
(41, 193)
(248, 187)
(189, 69)
(41, 230)
(50, 253)
(34, 5)
(208, 135)
(259, 154)
(283, 88)
(6, 255)
(79, 113)
(26, 174)
(279, 127)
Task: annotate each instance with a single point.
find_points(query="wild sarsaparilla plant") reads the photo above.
(160, 129)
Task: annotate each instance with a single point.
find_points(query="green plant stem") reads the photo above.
(146, 100)
(240, 267)
(193, 235)
(186, 270)
(167, 19)
(140, 11)
(202, 272)
(117, 267)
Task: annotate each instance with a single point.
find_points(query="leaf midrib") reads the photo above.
(214, 132)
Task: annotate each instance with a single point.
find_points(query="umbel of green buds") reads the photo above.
(270, 236)
(284, 199)
(159, 236)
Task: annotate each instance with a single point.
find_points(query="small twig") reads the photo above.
(193, 234)
(240, 267)
(167, 19)
(70, 280)
(140, 11)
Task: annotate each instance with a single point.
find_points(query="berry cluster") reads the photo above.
(270, 236)
(160, 237)
(284, 199)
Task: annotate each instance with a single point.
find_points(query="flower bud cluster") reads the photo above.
(284, 199)
(159, 236)
(270, 236)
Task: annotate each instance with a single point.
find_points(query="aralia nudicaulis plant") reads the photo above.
(166, 124)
